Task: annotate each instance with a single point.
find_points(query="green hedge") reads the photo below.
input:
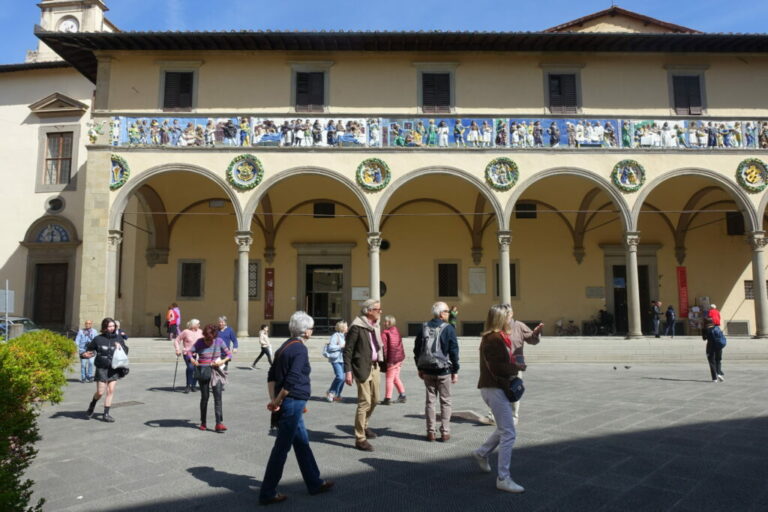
(32, 371)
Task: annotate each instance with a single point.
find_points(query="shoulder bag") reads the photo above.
(514, 388)
(205, 372)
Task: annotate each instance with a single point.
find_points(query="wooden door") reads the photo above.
(50, 294)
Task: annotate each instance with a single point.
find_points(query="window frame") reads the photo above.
(179, 67)
(260, 280)
(681, 71)
(558, 70)
(497, 283)
(179, 275)
(71, 183)
(311, 67)
(423, 68)
(437, 264)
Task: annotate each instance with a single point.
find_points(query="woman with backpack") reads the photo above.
(715, 344)
(209, 355)
(334, 352)
(394, 355)
(103, 348)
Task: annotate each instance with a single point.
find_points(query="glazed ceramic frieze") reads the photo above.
(439, 133)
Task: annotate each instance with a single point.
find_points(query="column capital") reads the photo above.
(504, 237)
(114, 239)
(632, 239)
(757, 240)
(374, 240)
(243, 239)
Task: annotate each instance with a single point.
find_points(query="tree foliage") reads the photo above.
(32, 369)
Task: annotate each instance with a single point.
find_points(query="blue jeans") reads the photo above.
(190, 374)
(338, 382)
(86, 368)
(290, 432)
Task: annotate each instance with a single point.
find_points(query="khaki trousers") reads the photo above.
(438, 385)
(367, 398)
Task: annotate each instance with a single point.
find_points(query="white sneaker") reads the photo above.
(721, 378)
(485, 467)
(509, 485)
(329, 397)
(715, 381)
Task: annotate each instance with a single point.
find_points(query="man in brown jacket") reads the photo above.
(362, 357)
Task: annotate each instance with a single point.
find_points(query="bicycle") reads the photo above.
(566, 330)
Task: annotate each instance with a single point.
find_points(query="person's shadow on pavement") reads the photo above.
(231, 481)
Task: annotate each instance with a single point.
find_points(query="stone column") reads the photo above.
(374, 242)
(505, 239)
(758, 242)
(632, 240)
(243, 240)
(114, 240)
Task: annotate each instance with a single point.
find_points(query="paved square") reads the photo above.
(591, 437)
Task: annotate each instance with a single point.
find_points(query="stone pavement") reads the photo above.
(592, 437)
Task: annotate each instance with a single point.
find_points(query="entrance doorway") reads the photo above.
(621, 310)
(325, 295)
(50, 294)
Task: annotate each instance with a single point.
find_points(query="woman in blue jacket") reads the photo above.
(334, 351)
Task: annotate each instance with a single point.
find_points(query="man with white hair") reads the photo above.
(436, 350)
(362, 357)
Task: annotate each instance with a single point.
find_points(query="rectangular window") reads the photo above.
(178, 89)
(563, 98)
(447, 279)
(324, 210)
(436, 92)
(310, 91)
(191, 279)
(687, 95)
(512, 280)
(58, 158)
(254, 283)
(525, 211)
(749, 290)
(734, 223)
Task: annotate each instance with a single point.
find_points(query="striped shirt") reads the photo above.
(208, 354)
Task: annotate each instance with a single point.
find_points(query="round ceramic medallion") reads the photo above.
(628, 176)
(752, 175)
(501, 174)
(373, 174)
(245, 172)
(120, 172)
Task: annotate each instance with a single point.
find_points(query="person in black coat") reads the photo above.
(671, 317)
(103, 347)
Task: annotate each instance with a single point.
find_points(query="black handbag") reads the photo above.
(202, 372)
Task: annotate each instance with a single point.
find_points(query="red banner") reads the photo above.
(269, 293)
(682, 292)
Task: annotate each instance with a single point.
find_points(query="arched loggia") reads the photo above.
(253, 202)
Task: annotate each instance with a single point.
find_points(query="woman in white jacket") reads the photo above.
(266, 346)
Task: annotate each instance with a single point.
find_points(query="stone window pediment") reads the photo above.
(58, 104)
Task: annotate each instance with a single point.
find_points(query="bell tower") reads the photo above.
(69, 16)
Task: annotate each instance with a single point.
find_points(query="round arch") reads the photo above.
(34, 229)
(761, 210)
(742, 200)
(121, 201)
(450, 171)
(253, 202)
(598, 180)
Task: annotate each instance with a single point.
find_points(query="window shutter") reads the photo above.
(178, 89)
(310, 91)
(687, 95)
(448, 280)
(436, 92)
(562, 94)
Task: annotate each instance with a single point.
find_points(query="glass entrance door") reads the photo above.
(325, 298)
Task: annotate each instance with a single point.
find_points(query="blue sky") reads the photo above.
(18, 17)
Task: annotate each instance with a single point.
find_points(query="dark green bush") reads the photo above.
(32, 369)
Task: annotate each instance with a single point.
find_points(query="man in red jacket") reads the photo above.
(714, 314)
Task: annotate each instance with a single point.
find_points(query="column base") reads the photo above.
(242, 334)
(760, 336)
(634, 336)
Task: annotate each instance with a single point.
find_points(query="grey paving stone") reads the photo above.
(589, 438)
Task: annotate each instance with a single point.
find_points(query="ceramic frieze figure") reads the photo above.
(119, 173)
